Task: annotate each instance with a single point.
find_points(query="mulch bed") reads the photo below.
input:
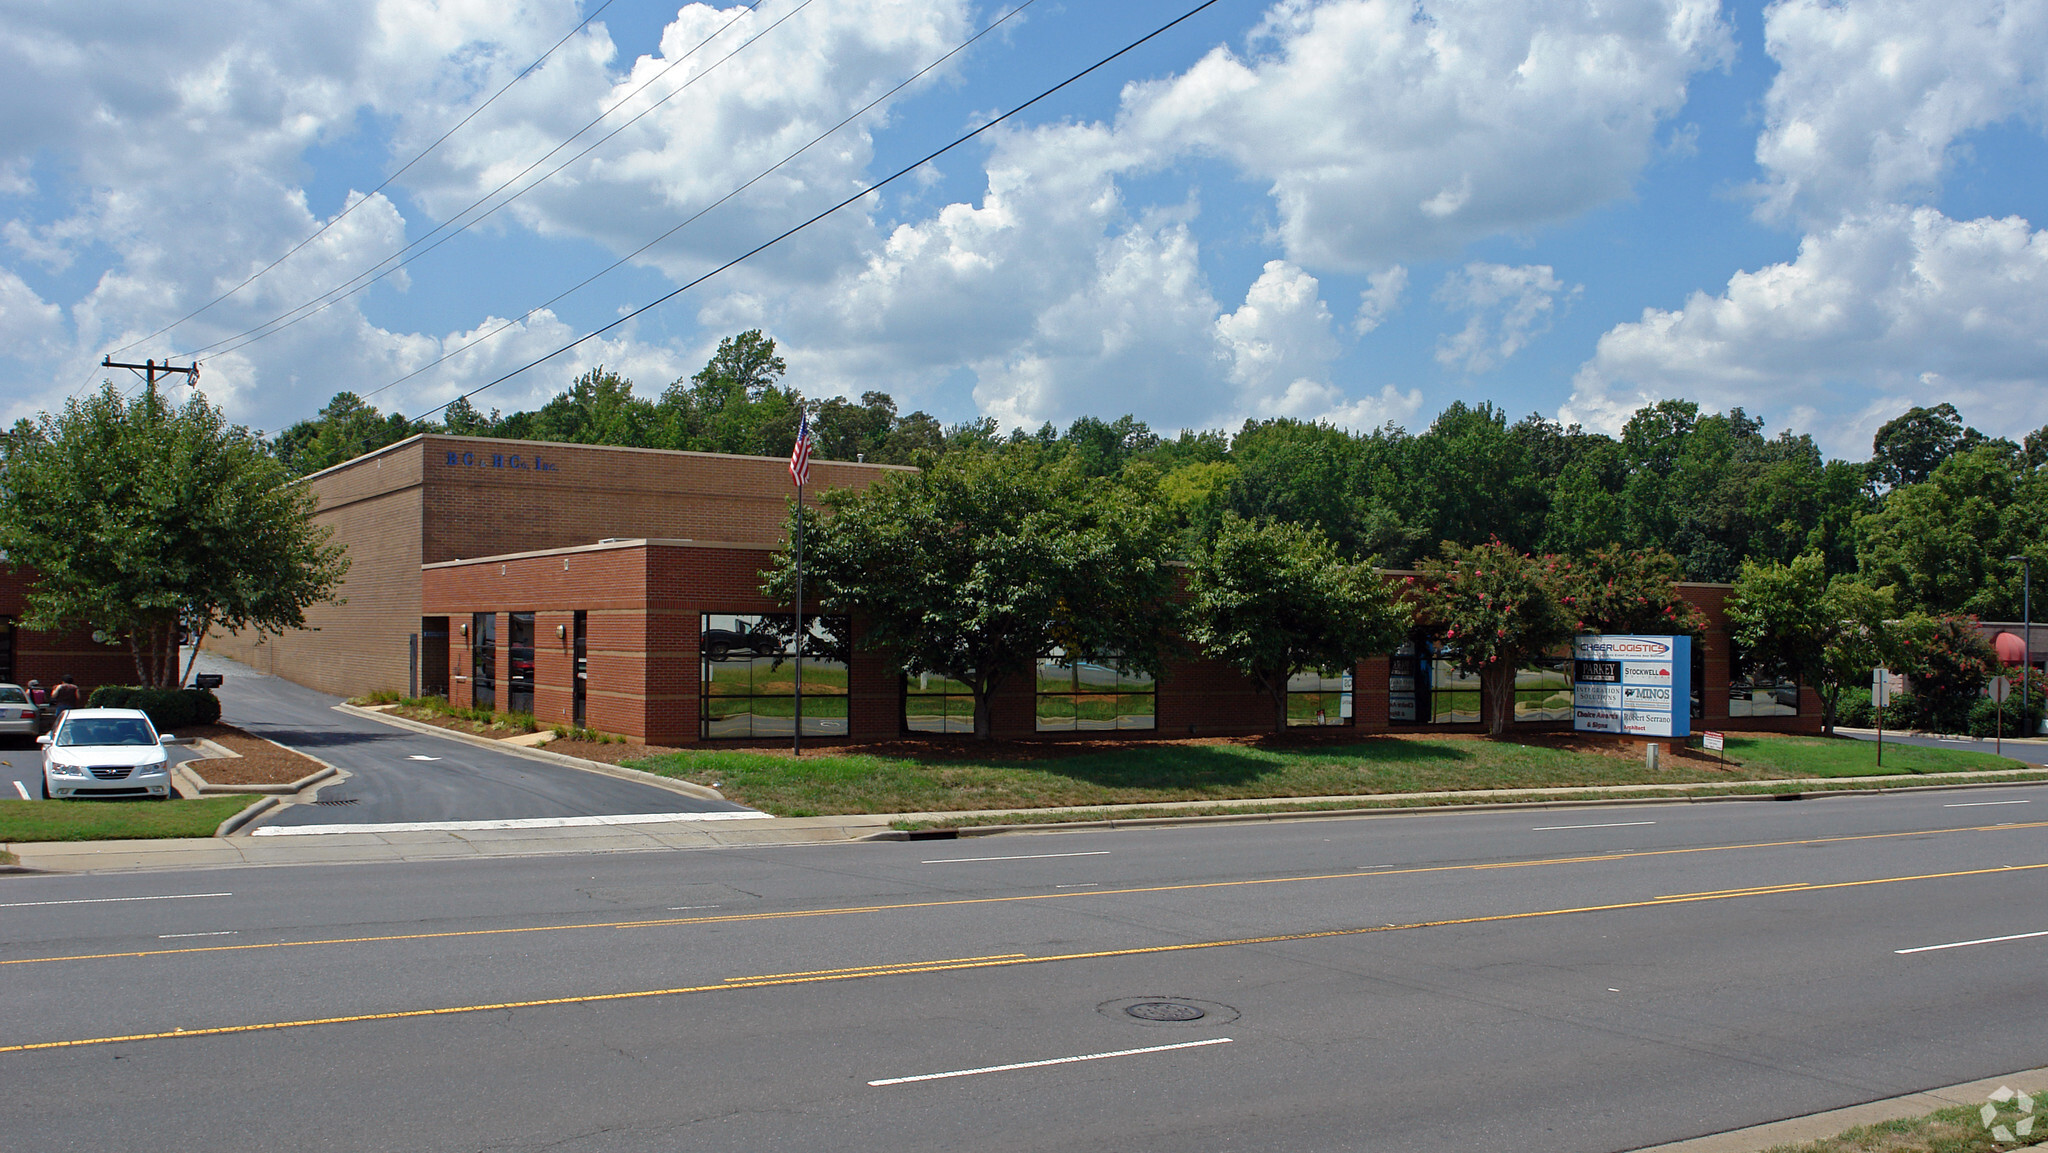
(610, 753)
(261, 762)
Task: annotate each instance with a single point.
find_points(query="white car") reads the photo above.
(106, 753)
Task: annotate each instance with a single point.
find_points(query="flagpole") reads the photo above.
(797, 749)
(800, 471)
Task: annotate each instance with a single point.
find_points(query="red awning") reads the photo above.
(2011, 649)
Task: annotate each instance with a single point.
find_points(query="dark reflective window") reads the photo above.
(483, 660)
(1543, 689)
(519, 647)
(1320, 698)
(1759, 688)
(1091, 696)
(936, 703)
(1453, 697)
(747, 682)
(580, 686)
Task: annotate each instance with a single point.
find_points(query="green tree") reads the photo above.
(1630, 591)
(979, 565)
(1272, 600)
(1942, 543)
(138, 517)
(346, 428)
(1909, 447)
(1829, 631)
(1489, 610)
(1349, 487)
(734, 403)
(598, 408)
(1480, 479)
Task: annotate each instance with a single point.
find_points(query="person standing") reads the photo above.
(62, 698)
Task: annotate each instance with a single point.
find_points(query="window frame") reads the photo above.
(1124, 686)
(827, 667)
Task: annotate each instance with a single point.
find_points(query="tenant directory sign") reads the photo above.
(1638, 686)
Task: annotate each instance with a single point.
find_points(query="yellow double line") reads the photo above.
(1079, 894)
(997, 961)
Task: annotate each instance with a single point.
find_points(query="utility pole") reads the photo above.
(150, 368)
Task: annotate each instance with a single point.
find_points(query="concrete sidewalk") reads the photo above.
(684, 831)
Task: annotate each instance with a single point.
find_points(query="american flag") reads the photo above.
(800, 455)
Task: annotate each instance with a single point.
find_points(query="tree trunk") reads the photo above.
(141, 665)
(1497, 696)
(1829, 696)
(983, 730)
(196, 642)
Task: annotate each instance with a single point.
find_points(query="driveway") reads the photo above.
(399, 777)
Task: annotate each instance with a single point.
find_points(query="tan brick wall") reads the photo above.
(373, 505)
(407, 504)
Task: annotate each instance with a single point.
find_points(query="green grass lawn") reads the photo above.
(114, 820)
(1959, 1129)
(958, 779)
(1824, 757)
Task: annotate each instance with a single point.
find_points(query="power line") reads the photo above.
(876, 187)
(378, 271)
(693, 217)
(322, 230)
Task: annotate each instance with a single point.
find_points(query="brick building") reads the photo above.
(27, 655)
(619, 589)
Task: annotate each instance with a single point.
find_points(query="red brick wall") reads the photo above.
(645, 605)
(49, 656)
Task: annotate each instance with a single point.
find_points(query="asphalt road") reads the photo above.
(398, 776)
(2033, 752)
(1575, 980)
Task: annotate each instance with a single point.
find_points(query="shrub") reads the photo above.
(168, 709)
(2020, 721)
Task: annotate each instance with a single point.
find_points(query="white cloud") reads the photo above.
(1872, 97)
(1383, 129)
(1381, 297)
(1509, 305)
(29, 325)
(1279, 343)
(1901, 307)
(1393, 130)
(1383, 132)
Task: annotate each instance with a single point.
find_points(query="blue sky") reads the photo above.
(1345, 210)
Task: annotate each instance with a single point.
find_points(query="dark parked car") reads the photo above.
(717, 644)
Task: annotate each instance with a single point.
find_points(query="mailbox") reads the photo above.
(206, 681)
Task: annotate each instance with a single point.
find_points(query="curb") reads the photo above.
(686, 788)
(207, 788)
(1822, 1126)
(945, 834)
(235, 823)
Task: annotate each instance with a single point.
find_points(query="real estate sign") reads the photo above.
(1639, 686)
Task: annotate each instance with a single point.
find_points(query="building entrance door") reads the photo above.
(580, 686)
(483, 660)
(519, 693)
(433, 656)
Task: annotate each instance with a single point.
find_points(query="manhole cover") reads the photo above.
(1165, 1011)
